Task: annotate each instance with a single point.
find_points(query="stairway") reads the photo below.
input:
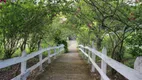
(68, 66)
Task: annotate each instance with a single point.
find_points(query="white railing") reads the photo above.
(91, 53)
(23, 60)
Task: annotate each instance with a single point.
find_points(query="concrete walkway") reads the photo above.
(68, 66)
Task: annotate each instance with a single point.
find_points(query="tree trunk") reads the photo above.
(7, 54)
(99, 41)
(39, 44)
(23, 46)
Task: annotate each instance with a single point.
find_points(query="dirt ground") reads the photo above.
(68, 66)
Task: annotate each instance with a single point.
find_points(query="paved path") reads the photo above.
(68, 66)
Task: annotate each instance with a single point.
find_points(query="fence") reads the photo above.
(23, 60)
(127, 72)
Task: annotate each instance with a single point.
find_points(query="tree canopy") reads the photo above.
(114, 24)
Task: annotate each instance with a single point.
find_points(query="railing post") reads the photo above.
(55, 53)
(93, 57)
(49, 59)
(138, 64)
(23, 65)
(40, 60)
(103, 64)
(82, 54)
